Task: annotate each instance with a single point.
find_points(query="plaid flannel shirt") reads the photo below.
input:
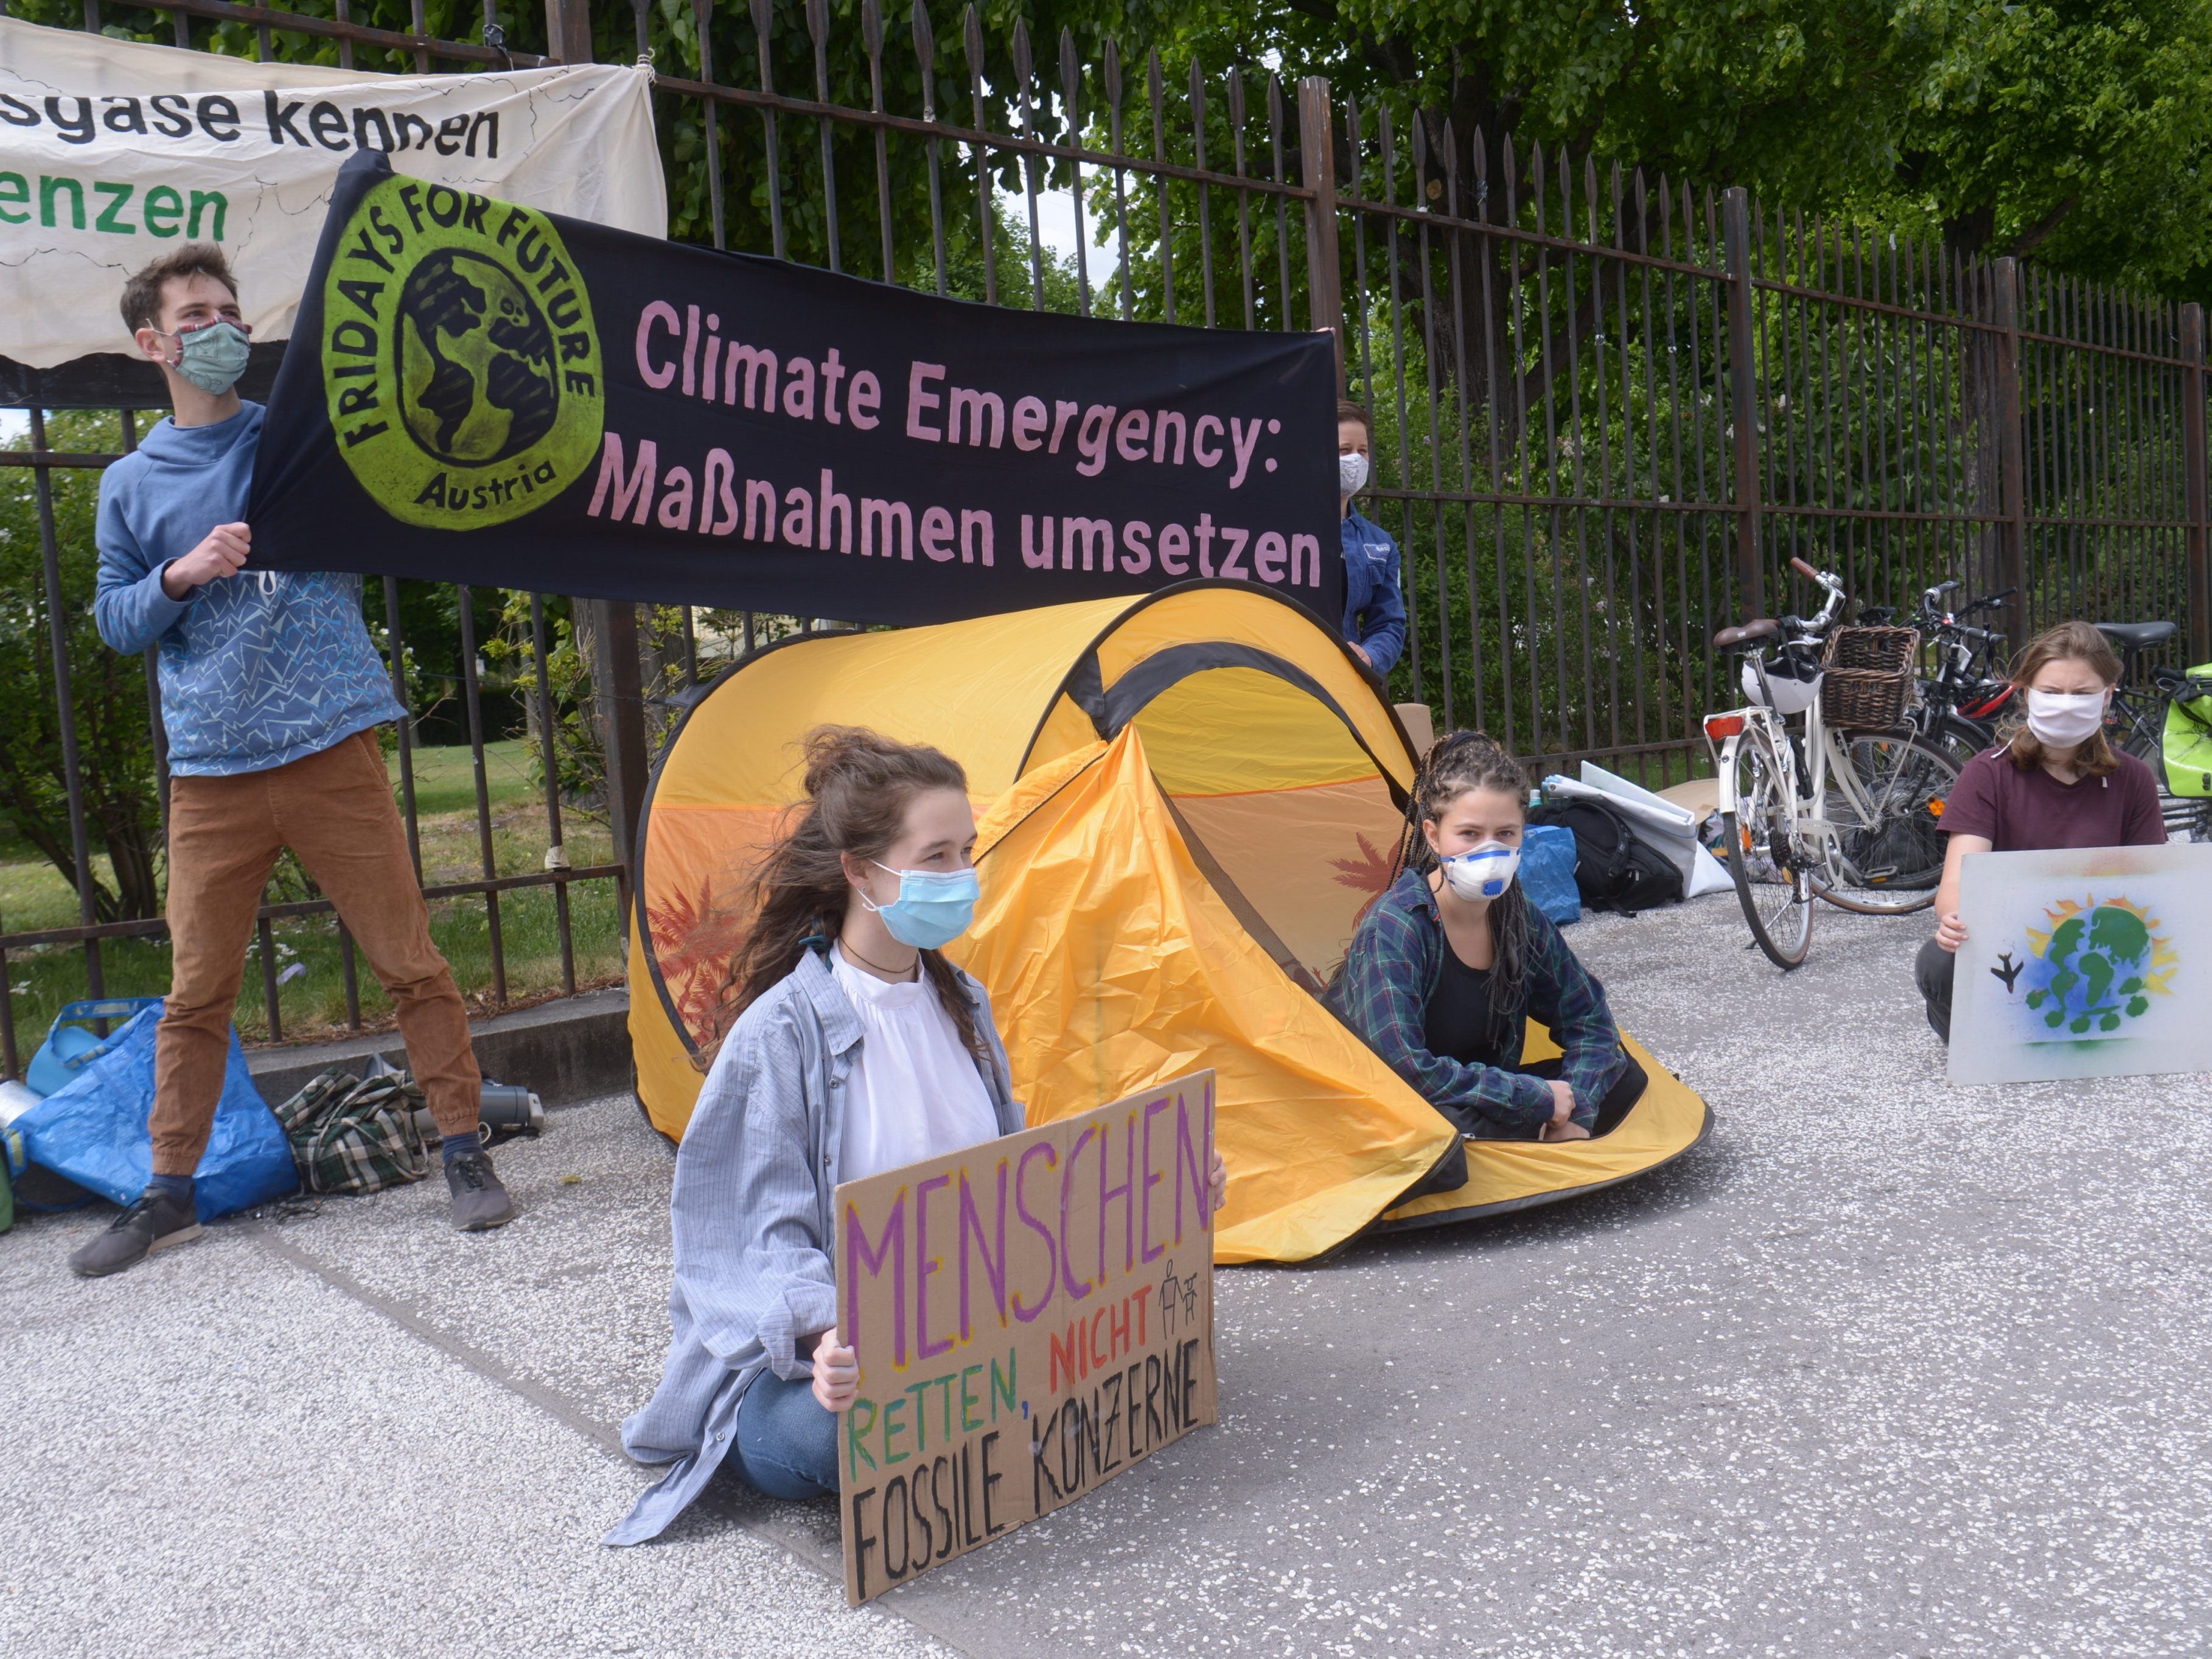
(1383, 990)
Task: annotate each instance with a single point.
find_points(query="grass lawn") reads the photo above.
(311, 1002)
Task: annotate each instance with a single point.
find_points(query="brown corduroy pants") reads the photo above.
(334, 809)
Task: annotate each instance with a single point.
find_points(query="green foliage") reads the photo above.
(108, 697)
(2074, 129)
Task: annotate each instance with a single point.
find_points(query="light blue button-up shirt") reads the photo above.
(754, 1221)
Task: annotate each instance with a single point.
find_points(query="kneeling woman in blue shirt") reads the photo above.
(1449, 965)
(856, 1048)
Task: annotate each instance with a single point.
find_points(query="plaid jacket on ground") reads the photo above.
(1383, 992)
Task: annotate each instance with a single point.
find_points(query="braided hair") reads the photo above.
(1456, 764)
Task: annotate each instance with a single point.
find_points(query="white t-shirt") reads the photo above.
(914, 1092)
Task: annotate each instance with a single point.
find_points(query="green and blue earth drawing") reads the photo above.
(2092, 974)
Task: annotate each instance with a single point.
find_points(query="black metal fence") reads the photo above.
(1609, 408)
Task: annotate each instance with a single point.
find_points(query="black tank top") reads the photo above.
(1457, 1025)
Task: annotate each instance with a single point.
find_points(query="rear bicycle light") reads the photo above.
(1723, 725)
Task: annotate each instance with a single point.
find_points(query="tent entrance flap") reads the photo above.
(1286, 810)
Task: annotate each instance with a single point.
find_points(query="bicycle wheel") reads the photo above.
(1762, 858)
(1889, 863)
(1957, 739)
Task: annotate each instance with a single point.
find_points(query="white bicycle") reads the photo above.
(1809, 810)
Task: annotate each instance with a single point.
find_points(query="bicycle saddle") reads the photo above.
(1752, 633)
(2138, 636)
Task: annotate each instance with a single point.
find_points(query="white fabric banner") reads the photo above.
(111, 151)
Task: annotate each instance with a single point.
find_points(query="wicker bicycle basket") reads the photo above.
(1866, 675)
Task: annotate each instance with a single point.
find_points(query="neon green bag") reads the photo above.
(2187, 744)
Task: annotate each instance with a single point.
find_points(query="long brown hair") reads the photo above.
(1456, 763)
(2071, 642)
(858, 785)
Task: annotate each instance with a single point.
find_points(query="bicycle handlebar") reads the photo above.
(1993, 602)
(1806, 570)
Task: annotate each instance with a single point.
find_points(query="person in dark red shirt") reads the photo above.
(2054, 781)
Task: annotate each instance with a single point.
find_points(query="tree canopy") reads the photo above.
(2075, 131)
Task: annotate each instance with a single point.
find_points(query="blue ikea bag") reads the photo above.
(1547, 872)
(93, 1128)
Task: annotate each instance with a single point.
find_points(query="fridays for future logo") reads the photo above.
(460, 361)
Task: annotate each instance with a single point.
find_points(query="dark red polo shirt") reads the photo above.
(2026, 810)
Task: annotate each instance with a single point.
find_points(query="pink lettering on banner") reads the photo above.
(659, 314)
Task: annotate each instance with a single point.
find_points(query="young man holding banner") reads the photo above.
(271, 692)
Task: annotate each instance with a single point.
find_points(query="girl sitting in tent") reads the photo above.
(1452, 962)
(856, 1048)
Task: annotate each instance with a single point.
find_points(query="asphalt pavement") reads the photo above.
(1884, 1368)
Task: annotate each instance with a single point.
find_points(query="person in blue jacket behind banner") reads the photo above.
(1374, 609)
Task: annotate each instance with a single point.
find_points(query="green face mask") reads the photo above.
(212, 356)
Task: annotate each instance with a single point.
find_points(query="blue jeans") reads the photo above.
(786, 1443)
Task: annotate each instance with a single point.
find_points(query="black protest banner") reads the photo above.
(481, 392)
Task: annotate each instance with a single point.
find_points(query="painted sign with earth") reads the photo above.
(1032, 1316)
(502, 396)
(2084, 962)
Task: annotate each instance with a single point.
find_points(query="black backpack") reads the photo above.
(1613, 870)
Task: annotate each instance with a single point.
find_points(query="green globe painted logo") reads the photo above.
(460, 358)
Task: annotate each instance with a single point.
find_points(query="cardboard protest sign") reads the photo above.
(2084, 962)
(112, 152)
(1032, 1316)
(516, 398)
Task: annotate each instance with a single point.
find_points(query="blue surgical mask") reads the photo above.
(212, 356)
(933, 909)
(1483, 871)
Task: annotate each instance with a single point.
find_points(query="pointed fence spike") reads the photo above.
(1071, 81)
(925, 57)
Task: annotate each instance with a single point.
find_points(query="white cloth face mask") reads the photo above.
(2064, 719)
(1351, 474)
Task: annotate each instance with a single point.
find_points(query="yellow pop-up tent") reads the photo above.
(1186, 803)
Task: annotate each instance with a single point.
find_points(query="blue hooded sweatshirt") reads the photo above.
(257, 670)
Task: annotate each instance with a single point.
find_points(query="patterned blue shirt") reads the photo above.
(257, 670)
(1383, 990)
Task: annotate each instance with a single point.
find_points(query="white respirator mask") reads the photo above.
(1351, 474)
(1483, 871)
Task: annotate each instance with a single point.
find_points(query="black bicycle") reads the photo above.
(1965, 691)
